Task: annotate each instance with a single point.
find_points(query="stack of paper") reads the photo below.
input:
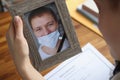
(91, 5)
(72, 7)
(89, 10)
(88, 65)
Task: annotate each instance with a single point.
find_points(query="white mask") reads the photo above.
(49, 40)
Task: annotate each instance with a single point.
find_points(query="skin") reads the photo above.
(43, 25)
(20, 51)
(109, 26)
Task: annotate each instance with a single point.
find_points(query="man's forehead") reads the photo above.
(42, 20)
(44, 14)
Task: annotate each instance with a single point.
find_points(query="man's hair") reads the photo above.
(41, 10)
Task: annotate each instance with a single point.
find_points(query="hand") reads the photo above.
(20, 51)
(109, 24)
(18, 45)
(52, 51)
(17, 42)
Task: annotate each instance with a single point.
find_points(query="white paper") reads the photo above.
(88, 65)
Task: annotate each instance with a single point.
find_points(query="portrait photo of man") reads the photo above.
(48, 32)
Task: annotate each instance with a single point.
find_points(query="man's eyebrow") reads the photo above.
(36, 28)
(50, 21)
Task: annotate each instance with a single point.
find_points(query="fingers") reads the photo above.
(10, 32)
(49, 51)
(10, 36)
(15, 31)
(18, 26)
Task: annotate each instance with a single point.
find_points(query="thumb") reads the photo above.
(18, 24)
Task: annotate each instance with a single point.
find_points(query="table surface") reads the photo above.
(7, 67)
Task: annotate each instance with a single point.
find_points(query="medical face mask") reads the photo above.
(49, 40)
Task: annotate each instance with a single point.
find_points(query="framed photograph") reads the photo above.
(48, 29)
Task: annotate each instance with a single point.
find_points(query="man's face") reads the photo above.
(44, 24)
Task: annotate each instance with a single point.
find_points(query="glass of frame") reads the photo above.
(49, 31)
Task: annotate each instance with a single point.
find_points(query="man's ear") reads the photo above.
(57, 24)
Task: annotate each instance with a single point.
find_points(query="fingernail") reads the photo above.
(16, 18)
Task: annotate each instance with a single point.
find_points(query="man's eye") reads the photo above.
(51, 23)
(39, 29)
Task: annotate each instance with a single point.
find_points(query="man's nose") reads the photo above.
(46, 32)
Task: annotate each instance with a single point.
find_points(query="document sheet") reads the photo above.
(88, 65)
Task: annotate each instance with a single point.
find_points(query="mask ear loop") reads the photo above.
(61, 44)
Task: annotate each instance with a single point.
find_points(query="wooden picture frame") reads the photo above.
(24, 8)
